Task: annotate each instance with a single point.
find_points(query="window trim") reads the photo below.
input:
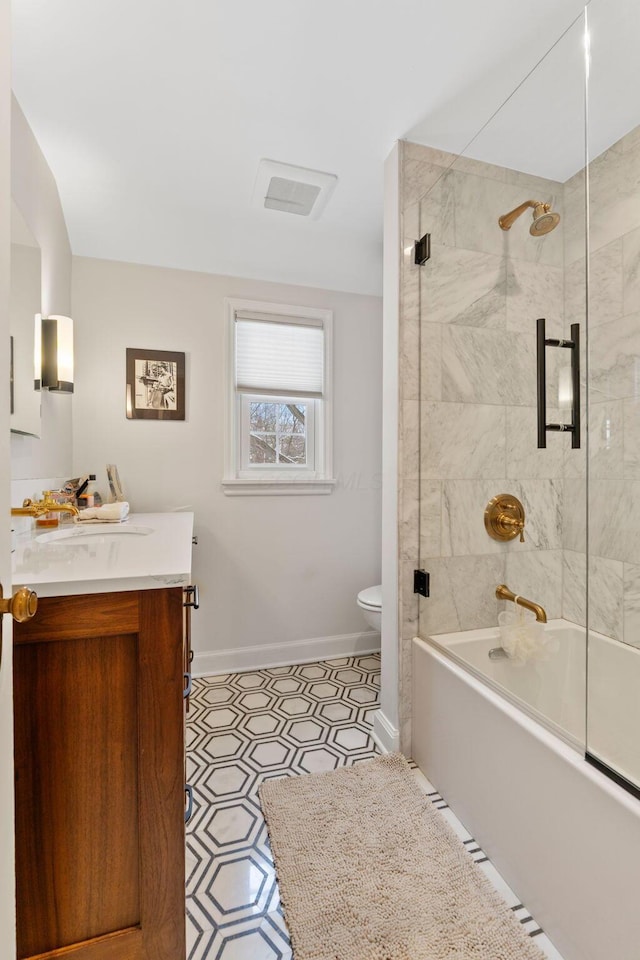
(276, 481)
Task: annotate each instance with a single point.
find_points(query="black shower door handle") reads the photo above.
(574, 345)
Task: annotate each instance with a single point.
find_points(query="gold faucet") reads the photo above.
(38, 508)
(503, 593)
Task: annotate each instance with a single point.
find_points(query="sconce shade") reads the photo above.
(37, 352)
(57, 353)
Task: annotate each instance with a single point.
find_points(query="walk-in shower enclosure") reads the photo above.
(470, 399)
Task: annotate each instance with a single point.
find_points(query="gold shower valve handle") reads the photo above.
(22, 605)
(516, 525)
(504, 518)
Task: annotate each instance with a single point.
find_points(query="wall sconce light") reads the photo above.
(57, 354)
(37, 352)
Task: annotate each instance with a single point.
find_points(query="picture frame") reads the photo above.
(117, 495)
(155, 385)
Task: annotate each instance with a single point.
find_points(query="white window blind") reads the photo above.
(275, 357)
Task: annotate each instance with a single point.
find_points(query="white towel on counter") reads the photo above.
(107, 513)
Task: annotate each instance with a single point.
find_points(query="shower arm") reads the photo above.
(507, 220)
(503, 593)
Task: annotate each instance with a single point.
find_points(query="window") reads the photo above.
(278, 399)
(277, 431)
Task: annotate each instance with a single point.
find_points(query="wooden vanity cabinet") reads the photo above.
(99, 761)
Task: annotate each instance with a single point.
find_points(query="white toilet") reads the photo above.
(370, 602)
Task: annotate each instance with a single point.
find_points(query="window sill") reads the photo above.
(278, 488)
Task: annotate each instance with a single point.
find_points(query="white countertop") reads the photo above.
(147, 551)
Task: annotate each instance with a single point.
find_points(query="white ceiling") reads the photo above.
(154, 114)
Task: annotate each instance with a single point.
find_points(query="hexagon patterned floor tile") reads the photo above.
(242, 729)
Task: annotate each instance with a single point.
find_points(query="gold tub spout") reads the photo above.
(503, 593)
(38, 508)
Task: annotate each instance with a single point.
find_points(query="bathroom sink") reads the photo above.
(95, 530)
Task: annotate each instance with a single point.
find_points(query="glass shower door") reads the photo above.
(613, 687)
(469, 322)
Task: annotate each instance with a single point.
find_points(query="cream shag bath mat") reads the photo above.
(368, 870)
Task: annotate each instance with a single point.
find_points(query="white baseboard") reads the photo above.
(239, 659)
(385, 735)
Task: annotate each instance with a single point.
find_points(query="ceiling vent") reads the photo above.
(289, 189)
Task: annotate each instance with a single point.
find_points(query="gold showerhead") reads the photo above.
(543, 220)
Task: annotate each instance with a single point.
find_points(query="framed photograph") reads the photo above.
(155, 385)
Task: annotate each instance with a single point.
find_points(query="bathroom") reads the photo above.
(441, 382)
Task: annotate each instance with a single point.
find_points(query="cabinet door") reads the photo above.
(99, 746)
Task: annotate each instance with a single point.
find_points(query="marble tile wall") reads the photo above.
(467, 399)
(468, 396)
(614, 386)
(415, 170)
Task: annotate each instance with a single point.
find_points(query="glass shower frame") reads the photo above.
(612, 176)
(469, 315)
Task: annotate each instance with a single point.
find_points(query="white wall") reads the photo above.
(7, 881)
(271, 570)
(25, 176)
(34, 190)
(386, 720)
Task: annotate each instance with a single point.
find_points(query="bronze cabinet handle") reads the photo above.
(188, 790)
(22, 605)
(192, 591)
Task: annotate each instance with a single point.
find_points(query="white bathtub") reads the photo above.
(503, 745)
(551, 690)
